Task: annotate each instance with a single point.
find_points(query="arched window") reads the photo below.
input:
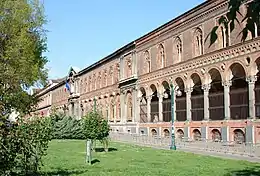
(198, 42)
(105, 78)
(129, 107)
(224, 39)
(178, 49)
(89, 83)
(147, 61)
(161, 56)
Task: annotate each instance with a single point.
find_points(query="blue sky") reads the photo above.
(83, 31)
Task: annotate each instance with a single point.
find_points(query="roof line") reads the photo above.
(115, 53)
(175, 19)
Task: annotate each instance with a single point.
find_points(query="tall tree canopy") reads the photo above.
(251, 18)
(22, 44)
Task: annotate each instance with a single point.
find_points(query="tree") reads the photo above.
(230, 19)
(22, 44)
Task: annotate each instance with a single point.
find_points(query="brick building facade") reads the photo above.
(217, 88)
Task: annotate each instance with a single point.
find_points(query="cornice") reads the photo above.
(224, 54)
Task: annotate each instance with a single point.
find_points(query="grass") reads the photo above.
(67, 158)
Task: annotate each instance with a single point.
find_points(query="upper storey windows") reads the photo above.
(178, 50)
(160, 56)
(147, 58)
(198, 42)
(224, 37)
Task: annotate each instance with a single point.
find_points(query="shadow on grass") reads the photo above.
(103, 150)
(95, 161)
(252, 171)
(63, 173)
(59, 172)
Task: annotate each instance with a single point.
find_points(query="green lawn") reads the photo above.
(67, 158)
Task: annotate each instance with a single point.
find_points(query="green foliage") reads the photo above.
(251, 18)
(95, 127)
(22, 44)
(23, 144)
(66, 127)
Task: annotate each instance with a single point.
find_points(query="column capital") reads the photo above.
(251, 79)
(227, 83)
(149, 98)
(188, 89)
(206, 87)
(160, 95)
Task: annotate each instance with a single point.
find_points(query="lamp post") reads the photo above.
(173, 145)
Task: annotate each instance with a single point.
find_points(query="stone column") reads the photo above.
(160, 96)
(206, 88)
(227, 85)
(188, 102)
(149, 98)
(251, 95)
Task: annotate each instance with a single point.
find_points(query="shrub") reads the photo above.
(23, 144)
(66, 127)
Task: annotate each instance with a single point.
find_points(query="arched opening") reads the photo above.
(112, 109)
(166, 133)
(129, 107)
(143, 106)
(196, 135)
(154, 132)
(118, 109)
(166, 102)
(238, 93)
(180, 101)
(197, 99)
(257, 90)
(216, 96)
(154, 104)
(180, 134)
(216, 135)
(239, 136)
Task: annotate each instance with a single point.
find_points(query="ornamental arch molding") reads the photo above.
(211, 72)
(231, 67)
(192, 78)
(255, 66)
